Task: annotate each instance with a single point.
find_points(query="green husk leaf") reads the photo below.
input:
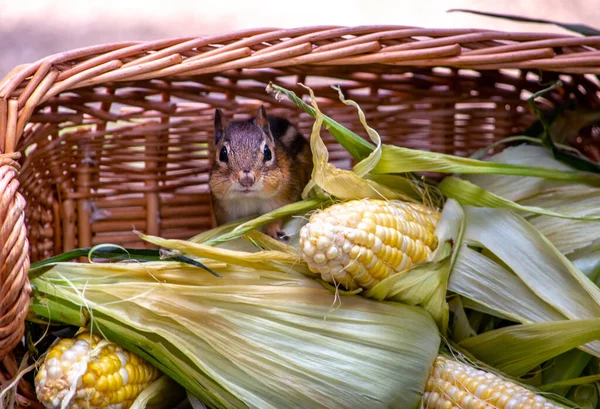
(585, 396)
(517, 188)
(57, 310)
(567, 235)
(481, 308)
(423, 285)
(396, 159)
(353, 143)
(563, 368)
(526, 346)
(459, 325)
(472, 195)
(236, 230)
(273, 340)
(569, 382)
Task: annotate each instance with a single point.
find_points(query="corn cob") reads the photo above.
(454, 385)
(103, 375)
(360, 242)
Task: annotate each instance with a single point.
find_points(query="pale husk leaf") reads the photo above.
(519, 187)
(477, 277)
(470, 194)
(572, 235)
(531, 256)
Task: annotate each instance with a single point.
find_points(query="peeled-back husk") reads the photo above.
(251, 338)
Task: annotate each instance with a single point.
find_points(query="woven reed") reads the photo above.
(115, 137)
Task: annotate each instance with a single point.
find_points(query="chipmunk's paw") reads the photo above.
(274, 230)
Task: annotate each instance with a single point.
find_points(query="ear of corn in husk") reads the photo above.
(89, 372)
(361, 242)
(251, 338)
(447, 381)
(534, 173)
(450, 383)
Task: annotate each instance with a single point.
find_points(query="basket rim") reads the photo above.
(308, 33)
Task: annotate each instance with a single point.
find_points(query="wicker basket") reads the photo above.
(101, 140)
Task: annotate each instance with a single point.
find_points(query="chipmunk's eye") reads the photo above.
(267, 153)
(223, 155)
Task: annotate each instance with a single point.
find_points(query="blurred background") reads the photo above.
(32, 29)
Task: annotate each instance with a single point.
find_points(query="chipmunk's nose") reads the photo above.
(246, 178)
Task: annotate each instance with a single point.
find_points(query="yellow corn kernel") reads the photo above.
(455, 385)
(358, 243)
(82, 372)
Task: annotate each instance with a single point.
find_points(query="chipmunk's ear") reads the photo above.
(221, 123)
(261, 119)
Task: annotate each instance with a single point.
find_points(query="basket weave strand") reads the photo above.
(14, 257)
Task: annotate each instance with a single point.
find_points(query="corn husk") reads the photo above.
(251, 338)
(340, 183)
(564, 367)
(517, 342)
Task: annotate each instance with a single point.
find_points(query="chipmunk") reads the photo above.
(259, 165)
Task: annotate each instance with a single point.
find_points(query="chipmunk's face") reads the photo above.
(245, 162)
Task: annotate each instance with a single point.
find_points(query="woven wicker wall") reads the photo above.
(103, 162)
